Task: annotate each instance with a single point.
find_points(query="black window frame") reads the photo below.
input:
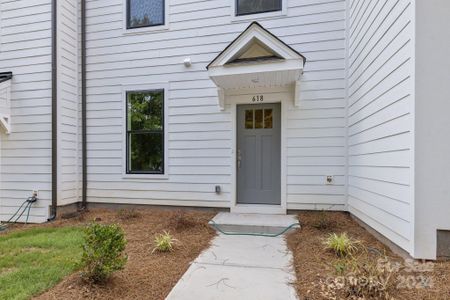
(129, 132)
(128, 14)
(237, 14)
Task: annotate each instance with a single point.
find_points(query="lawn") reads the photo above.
(148, 274)
(41, 261)
(33, 260)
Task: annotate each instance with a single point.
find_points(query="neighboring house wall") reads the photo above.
(432, 145)
(25, 50)
(199, 134)
(380, 117)
(4, 91)
(68, 102)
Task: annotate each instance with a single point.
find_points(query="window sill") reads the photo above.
(144, 30)
(257, 16)
(156, 177)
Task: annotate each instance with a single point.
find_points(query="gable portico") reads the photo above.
(257, 77)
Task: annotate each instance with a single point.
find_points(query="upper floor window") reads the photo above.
(145, 13)
(248, 7)
(145, 132)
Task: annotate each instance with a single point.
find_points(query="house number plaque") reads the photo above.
(258, 98)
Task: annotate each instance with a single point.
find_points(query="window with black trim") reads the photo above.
(145, 132)
(248, 7)
(145, 13)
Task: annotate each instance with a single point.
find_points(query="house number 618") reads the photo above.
(258, 98)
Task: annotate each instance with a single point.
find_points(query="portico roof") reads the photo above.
(256, 58)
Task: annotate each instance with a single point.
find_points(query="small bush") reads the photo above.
(164, 242)
(369, 281)
(341, 244)
(182, 221)
(128, 214)
(103, 251)
(323, 222)
(340, 267)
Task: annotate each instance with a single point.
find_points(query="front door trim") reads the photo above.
(259, 170)
(283, 95)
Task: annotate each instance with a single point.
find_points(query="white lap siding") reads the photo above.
(199, 134)
(68, 102)
(380, 117)
(25, 50)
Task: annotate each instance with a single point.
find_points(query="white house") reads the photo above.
(249, 105)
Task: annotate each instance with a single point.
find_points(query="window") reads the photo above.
(247, 7)
(258, 119)
(145, 13)
(145, 132)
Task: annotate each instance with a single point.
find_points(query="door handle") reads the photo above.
(239, 158)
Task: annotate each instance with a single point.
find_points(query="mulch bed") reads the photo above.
(146, 275)
(315, 266)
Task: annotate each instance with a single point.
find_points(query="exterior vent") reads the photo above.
(443, 244)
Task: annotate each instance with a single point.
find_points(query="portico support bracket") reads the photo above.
(297, 91)
(221, 95)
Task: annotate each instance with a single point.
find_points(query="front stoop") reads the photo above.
(243, 266)
(254, 223)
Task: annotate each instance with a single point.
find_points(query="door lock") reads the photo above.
(239, 158)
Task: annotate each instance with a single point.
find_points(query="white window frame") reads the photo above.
(145, 87)
(148, 29)
(256, 16)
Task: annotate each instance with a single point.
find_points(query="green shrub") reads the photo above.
(103, 251)
(340, 267)
(341, 244)
(164, 242)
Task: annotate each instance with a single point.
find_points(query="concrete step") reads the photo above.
(253, 223)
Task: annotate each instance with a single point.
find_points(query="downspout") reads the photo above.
(53, 207)
(83, 107)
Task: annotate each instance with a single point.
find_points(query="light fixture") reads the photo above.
(187, 62)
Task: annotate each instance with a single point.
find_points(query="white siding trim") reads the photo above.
(146, 87)
(412, 154)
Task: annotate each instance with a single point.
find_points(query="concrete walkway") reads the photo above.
(239, 267)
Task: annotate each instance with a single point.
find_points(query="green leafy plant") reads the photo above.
(340, 267)
(103, 251)
(164, 242)
(341, 244)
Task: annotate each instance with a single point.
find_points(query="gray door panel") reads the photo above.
(259, 154)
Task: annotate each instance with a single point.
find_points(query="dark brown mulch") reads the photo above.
(314, 264)
(146, 275)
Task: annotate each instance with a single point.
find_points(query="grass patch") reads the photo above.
(35, 260)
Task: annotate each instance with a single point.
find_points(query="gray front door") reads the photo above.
(259, 154)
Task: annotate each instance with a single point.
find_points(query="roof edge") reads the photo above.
(5, 76)
(265, 30)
